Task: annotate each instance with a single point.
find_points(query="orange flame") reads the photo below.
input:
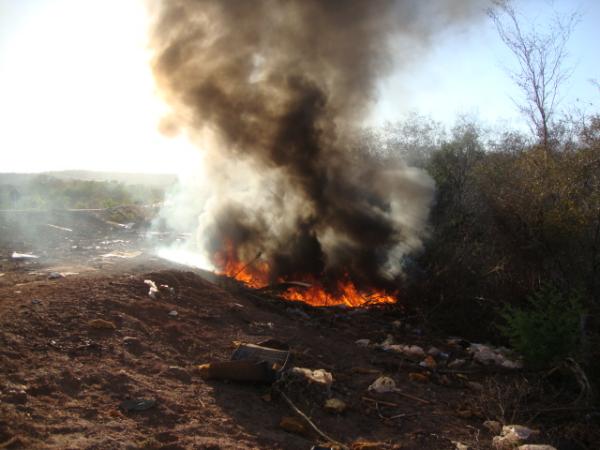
(256, 275)
(347, 295)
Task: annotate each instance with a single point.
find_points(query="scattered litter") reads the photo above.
(511, 436)
(249, 362)
(382, 385)
(318, 376)
(413, 351)
(23, 256)
(363, 342)
(536, 447)
(173, 313)
(485, 354)
(428, 363)
(293, 425)
(124, 255)
(153, 291)
(138, 404)
(437, 353)
(55, 275)
(59, 228)
(335, 405)
(456, 363)
(101, 324)
(269, 325)
(273, 354)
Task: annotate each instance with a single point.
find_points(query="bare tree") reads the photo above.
(541, 57)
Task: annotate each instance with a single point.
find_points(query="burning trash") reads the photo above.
(290, 195)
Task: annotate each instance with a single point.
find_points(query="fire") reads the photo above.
(347, 294)
(256, 274)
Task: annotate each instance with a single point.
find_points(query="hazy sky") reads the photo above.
(76, 91)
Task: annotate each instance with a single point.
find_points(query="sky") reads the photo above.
(76, 88)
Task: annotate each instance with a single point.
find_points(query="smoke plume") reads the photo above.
(274, 90)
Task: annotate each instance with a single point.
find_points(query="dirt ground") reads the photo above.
(64, 374)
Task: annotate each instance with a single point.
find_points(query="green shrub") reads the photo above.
(548, 329)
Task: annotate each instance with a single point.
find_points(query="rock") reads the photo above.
(318, 376)
(460, 445)
(335, 405)
(363, 342)
(173, 313)
(382, 385)
(293, 425)
(178, 373)
(55, 275)
(493, 426)
(101, 324)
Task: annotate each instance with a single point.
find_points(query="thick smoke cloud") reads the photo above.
(273, 90)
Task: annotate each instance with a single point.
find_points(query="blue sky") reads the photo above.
(76, 90)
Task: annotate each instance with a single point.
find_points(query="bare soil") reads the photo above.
(62, 378)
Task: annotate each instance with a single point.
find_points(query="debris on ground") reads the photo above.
(138, 404)
(153, 289)
(335, 405)
(487, 355)
(122, 255)
(318, 376)
(173, 313)
(293, 425)
(511, 436)
(382, 385)
(55, 275)
(413, 351)
(23, 256)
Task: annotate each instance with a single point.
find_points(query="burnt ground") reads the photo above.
(62, 378)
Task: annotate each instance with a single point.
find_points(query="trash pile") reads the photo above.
(460, 354)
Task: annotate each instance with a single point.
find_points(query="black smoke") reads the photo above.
(279, 86)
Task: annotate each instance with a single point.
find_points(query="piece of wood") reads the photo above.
(310, 422)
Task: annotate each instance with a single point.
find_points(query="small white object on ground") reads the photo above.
(318, 376)
(16, 255)
(363, 342)
(173, 313)
(153, 291)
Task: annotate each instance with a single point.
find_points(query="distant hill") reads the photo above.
(161, 181)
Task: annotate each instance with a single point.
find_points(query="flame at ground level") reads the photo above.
(347, 294)
(256, 274)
